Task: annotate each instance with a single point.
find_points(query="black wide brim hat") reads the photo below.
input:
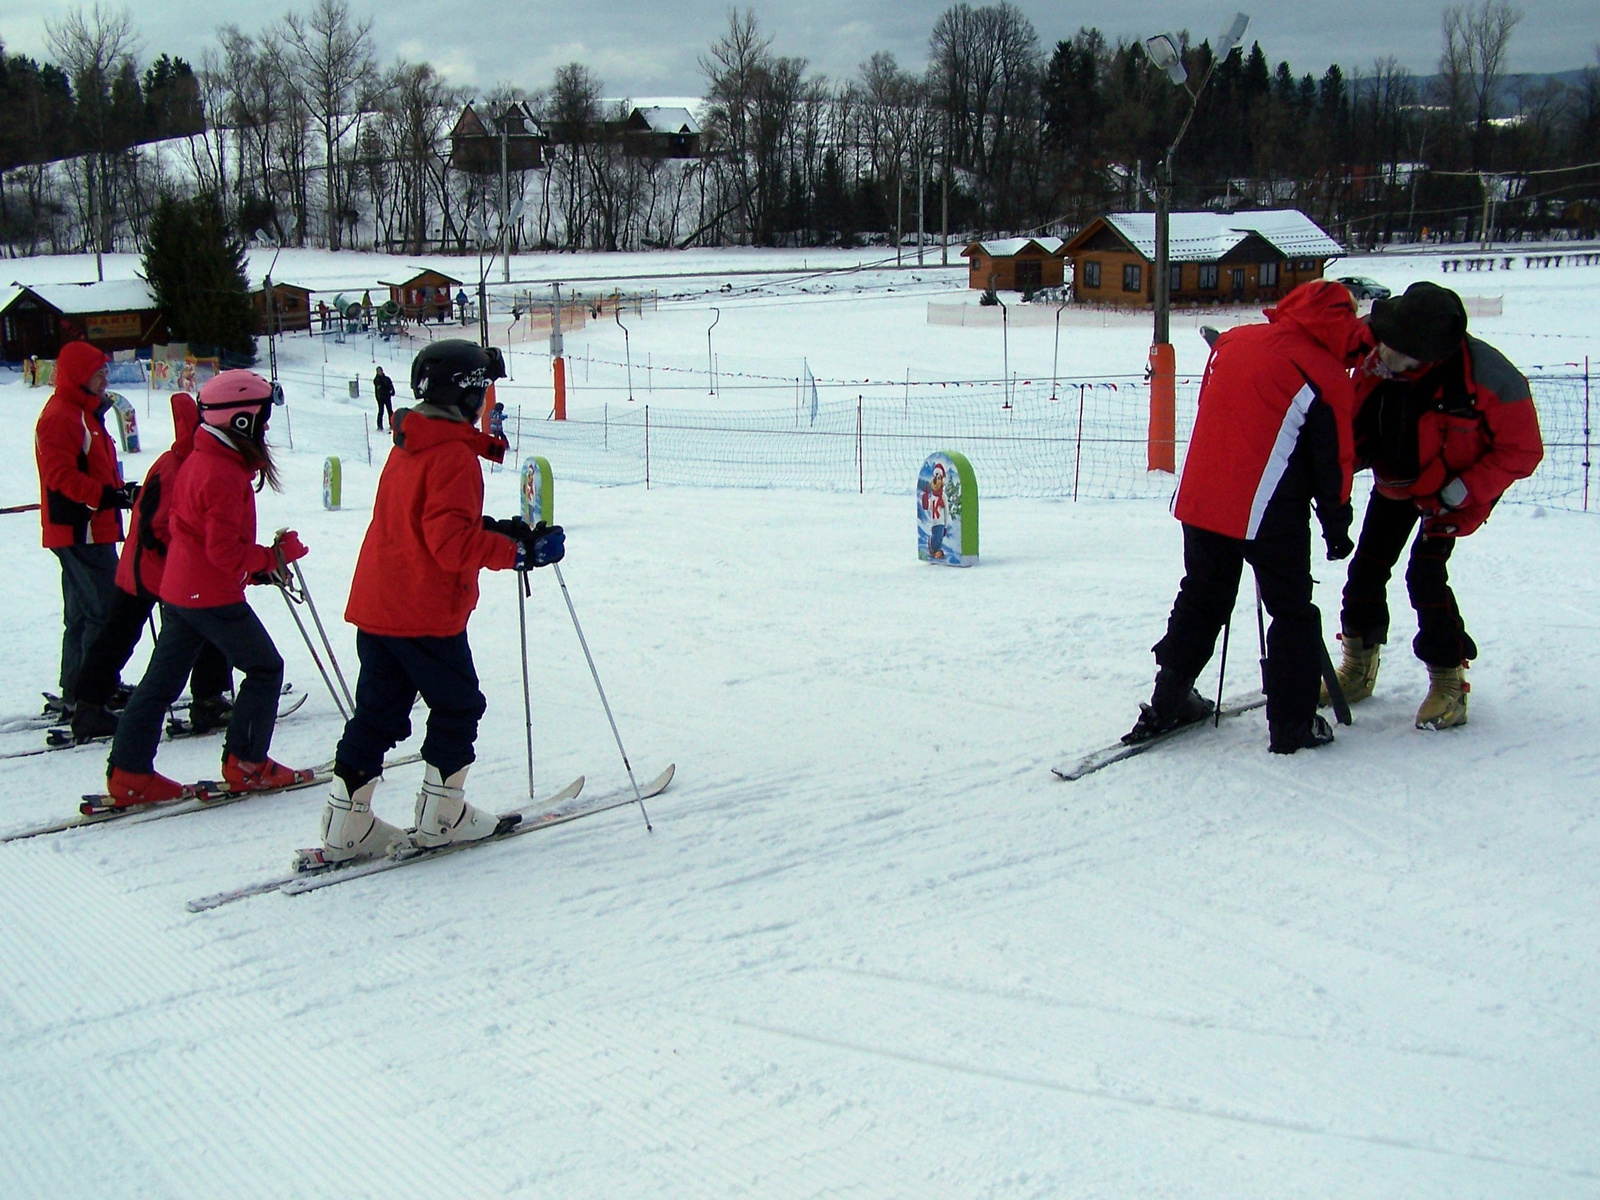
(1427, 322)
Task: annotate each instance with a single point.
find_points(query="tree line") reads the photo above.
(309, 141)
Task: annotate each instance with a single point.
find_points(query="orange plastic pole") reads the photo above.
(1163, 442)
(561, 388)
(488, 407)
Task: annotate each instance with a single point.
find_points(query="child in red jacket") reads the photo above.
(415, 586)
(212, 554)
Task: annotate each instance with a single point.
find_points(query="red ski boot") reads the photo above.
(263, 776)
(129, 788)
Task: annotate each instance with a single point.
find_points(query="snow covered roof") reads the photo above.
(1010, 247)
(1206, 237)
(668, 120)
(112, 295)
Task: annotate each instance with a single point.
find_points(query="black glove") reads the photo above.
(1336, 531)
(537, 545)
(119, 497)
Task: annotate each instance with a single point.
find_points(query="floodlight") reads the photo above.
(1163, 51)
(1233, 35)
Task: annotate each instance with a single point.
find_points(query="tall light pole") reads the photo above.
(1164, 53)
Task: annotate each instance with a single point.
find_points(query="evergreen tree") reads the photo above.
(195, 266)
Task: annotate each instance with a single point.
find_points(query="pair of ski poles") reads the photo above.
(296, 592)
(1341, 707)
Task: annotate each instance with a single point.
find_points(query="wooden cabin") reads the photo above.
(658, 132)
(291, 305)
(475, 141)
(1014, 264)
(1213, 258)
(118, 314)
(426, 296)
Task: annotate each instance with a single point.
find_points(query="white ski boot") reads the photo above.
(349, 830)
(444, 816)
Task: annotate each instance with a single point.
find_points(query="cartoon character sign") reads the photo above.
(538, 491)
(330, 483)
(947, 511)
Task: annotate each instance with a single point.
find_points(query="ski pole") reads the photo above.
(1261, 631)
(1222, 671)
(523, 590)
(323, 633)
(306, 637)
(584, 642)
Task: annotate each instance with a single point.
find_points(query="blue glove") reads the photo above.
(537, 546)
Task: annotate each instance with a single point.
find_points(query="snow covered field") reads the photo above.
(872, 948)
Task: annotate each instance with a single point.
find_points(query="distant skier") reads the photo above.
(139, 573)
(1447, 425)
(383, 389)
(211, 556)
(82, 497)
(415, 586)
(1271, 436)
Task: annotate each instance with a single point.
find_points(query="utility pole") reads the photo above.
(505, 202)
(921, 185)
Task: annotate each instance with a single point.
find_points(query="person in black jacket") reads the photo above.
(383, 389)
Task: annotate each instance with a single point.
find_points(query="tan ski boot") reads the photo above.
(1357, 672)
(1445, 705)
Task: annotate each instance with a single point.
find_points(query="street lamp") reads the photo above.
(1164, 53)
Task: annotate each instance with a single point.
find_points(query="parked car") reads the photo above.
(1363, 288)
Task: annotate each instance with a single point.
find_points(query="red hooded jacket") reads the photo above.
(76, 456)
(144, 554)
(1477, 425)
(212, 551)
(1268, 391)
(417, 574)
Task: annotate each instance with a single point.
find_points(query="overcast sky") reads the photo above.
(648, 48)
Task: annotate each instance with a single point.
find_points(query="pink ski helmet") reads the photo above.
(238, 401)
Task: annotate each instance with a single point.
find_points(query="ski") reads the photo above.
(59, 737)
(93, 809)
(544, 814)
(1118, 751)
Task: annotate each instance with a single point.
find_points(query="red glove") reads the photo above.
(290, 546)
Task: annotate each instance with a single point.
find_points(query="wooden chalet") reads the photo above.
(291, 305)
(1213, 258)
(475, 141)
(426, 296)
(118, 314)
(1014, 264)
(658, 132)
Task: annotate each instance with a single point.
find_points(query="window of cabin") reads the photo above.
(1208, 277)
(1132, 277)
(1269, 274)
(1091, 273)
(1175, 277)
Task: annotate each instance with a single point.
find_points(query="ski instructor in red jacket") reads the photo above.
(1272, 437)
(81, 496)
(1447, 425)
(415, 586)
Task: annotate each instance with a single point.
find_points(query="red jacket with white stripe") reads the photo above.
(144, 554)
(76, 457)
(213, 553)
(1469, 418)
(1275, 414)
(417, 574)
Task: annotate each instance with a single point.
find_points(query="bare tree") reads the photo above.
(1472, 65)
(334, 75)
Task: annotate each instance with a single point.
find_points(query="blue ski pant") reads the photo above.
(88, 583)
(394, 671)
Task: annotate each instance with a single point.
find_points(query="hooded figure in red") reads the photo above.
(81, 495)
(1272, 437)
(139, 573)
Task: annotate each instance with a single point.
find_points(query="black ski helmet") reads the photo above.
(454, 373)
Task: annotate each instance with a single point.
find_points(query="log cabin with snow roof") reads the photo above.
(1014, 264)
(1213, 258)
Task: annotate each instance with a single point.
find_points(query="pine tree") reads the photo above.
(196, 267)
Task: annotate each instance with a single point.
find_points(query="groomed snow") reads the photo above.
(872, 948)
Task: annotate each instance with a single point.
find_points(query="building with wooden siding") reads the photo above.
(658, 132)
(475, 141)
(1214, 258)
(292, 304)
(118, 314)
(427, 295)
(1014, 264)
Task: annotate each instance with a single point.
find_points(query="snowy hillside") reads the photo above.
(872, 947)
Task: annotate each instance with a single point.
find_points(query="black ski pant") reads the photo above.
(102, 665)
(385, 405)
(237, 632)
(394, 671)
(88, 582)
(1280, 555)
(1442, 639)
